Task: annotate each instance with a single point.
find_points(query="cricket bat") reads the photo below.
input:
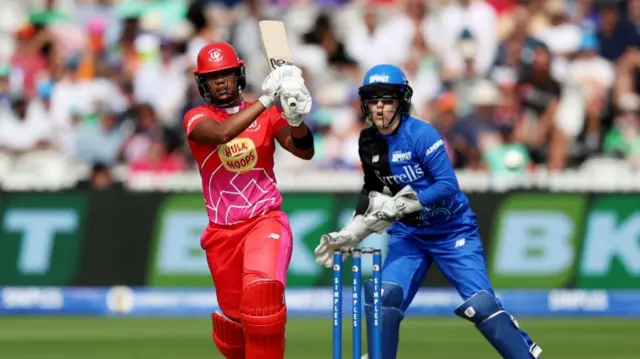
(276, 47)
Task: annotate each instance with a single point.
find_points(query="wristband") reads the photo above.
(303, 143)
(294, 120)
(266, 100)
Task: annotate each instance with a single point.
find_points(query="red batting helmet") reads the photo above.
(214, 57)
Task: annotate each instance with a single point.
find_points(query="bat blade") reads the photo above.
(275, 45)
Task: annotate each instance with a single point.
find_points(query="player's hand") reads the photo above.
(403, 203)
(348, 237)
(329, 243)
(270, 88)
(377, 202)
(272, 85)
(294, 92)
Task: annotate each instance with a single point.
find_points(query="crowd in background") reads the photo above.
(105, 83)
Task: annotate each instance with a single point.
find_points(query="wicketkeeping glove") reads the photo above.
(353, 232)
(403, 203)
(348, 237)
(377, 202)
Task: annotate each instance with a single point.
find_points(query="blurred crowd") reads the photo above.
(104, 84)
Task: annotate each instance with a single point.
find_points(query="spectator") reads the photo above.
(146, 129)
(466, 19)
(584, 15)
(623, 140)
(561, 36)
(100, 178)
(594, 77)
(633, 9)
(562, 70)
(539, 95)
(22, 128)
(71, 97)
(5, 87)
(323, 35)
(464, 81)
(28, 61)
(446, 122)
(101, 141)
(481, 129)
(368, 42)
(157, 159)
(204, 28)
(616, 36)
(161, 82)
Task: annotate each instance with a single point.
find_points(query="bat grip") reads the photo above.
(292, 102)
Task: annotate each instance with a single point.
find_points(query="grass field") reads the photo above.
(450, 338)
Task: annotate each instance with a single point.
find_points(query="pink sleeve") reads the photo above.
(192, 118)
(277, 121)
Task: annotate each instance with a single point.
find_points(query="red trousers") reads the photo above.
(239, 254)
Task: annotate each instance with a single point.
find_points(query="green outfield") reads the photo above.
(94, 338)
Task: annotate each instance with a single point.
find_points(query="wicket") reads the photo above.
(356, 291)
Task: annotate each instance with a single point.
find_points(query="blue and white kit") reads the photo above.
(445, 232)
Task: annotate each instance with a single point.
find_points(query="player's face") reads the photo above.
(223, 85)
(383, 108)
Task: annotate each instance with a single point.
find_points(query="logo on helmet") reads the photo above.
(215, 55)
(378, 78)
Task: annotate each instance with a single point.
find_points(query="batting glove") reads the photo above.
(272, 85)
(296, 100)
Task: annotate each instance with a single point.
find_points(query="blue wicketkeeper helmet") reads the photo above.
(386, 79)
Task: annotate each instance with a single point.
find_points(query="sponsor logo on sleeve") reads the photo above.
(192, 120)
(434, 147)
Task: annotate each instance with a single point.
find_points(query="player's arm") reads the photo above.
(209, 131)
(290, 130)
(434, 159)
(371, 184)
(359, 227)
(202, 129)
(297, 140)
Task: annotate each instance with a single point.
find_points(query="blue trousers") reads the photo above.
(460, 258)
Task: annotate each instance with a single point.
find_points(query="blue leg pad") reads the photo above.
(390, 317)
(498, 326)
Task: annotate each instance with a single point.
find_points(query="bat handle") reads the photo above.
(292, 102)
